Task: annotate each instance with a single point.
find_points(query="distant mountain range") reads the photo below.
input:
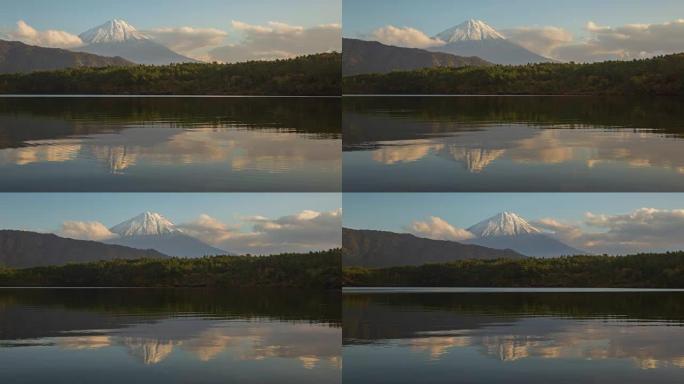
(114, 43)
(22, 249)
(476, 38)
(471, 43)
(361, 57)
(507, 230)
(377, 249)
(505, 235)
(148, 235)
(118, 38)
(151, 230)
(17, 57)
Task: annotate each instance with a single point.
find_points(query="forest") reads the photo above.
(662, 75)
(312, 75)
(634, 271)
(291, 270)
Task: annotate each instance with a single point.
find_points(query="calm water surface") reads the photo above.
(513, 337)
(513, 144)
(169, 144)
(169, 336)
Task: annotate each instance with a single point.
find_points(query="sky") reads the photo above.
(560, 30)
(599, 222)
(193, 28)
(257, 223)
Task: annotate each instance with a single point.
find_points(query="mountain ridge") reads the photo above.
(377, 249)
(23, 249)
(477, 38)
(151, 230)
(507, 230)
(533, 245)
(472, 29)
(146, 223)
(17, 57)
(119, 38)
(176, 244)
(363, 57)
(503, 224)
(115, 30)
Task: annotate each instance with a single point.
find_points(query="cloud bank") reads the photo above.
(187, 40)
(405, 37)
(437, 228)
(641, 230)
(258, 235)
(277, 40)
(86, 230)
(49, 38)
(543, 40)
(301, 232)
(631, 41)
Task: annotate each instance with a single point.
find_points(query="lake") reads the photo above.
(178, 144)
(509, 336)
(513, 144)
(169, 336)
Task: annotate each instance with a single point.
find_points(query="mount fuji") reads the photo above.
(151, 230)
(477, 38)
(118, 38)
(507, 230)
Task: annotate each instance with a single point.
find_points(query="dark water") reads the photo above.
(170, 144)
(514, 337)
(169, 336)
(513, 144)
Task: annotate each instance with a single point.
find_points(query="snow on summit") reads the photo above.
(503, 224)
(112, 31)
(148, 223)
(470, 30)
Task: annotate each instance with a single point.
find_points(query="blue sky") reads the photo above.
(46, 212)
(76, 16)
(395, 211)
(433, 16)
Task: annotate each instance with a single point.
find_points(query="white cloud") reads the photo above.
(306, 231)
(542, 40)
(439, 229)
(186, 40)
(566, 232)
(405, 37)
(625, 42)
(48, 38)
(277, 40)
(642, 230)
(210, 230)
(86, 230)
(637, 40)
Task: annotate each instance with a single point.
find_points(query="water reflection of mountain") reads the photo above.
(515, 326)
(30, 119)
(367, 120)
(151, 324)
(525, 145)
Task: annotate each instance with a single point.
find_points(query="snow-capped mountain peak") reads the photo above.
(503, 224)
(470, 30)
(113, 31)
(147, 223)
